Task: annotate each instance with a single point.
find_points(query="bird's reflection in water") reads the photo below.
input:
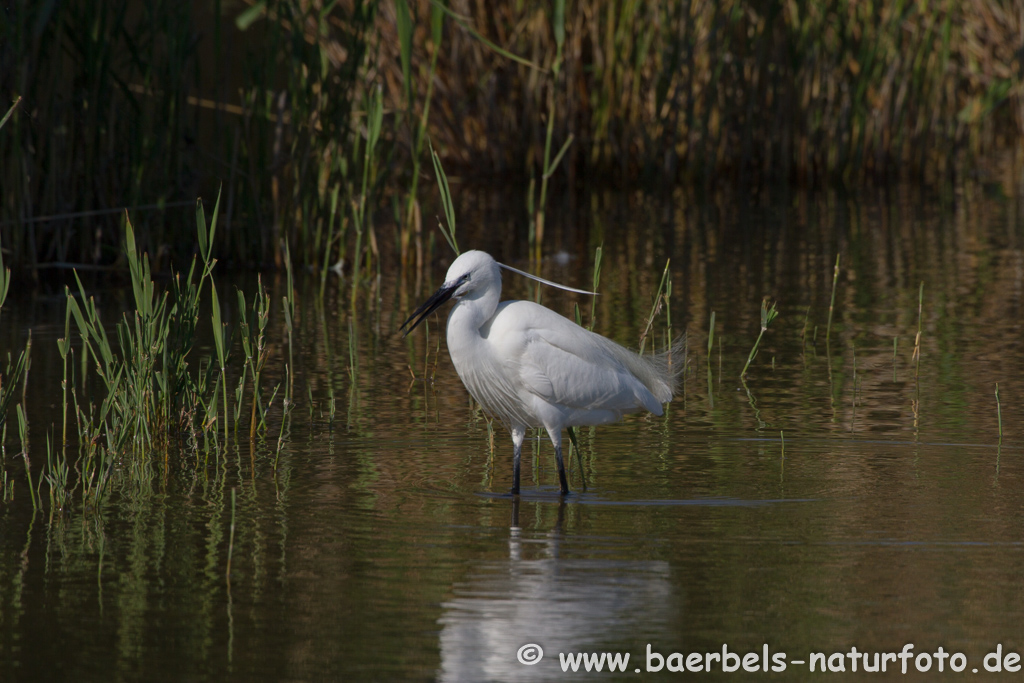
(552, 593)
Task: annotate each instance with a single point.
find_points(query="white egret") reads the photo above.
(531, 367)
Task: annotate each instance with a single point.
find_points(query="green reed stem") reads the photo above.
(782, 458)
(447, 228)
(579, 455)
(330, 239)
(767, 316)
(460, 20)
(895, 343)
(23, 432)
(374, 122)
(803, 329)
(57, 472)
(64, 347)
(711, 337)
(12, 373)
(288, 301)
(5, 279)
(659, 300)
(853, 346)
(598, 254)
(558, 25)
(668, 309)
(353, 357)
(10, 111)
(287, 406)
(917, 340)
(999, 413)
(405, 33)
(832, 302)
(220, 340)
(254, 344)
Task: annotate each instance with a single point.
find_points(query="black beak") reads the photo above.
(438, 299)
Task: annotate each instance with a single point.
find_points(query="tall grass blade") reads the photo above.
(916, 356)
(659, 301)
(5, 279)
(403, 19)
(558, 157)
(598, 254)
(464, 23)
(251, 15)
(23, 432)
(711, 336)
(220, 340)
(10, 111)
(448, 228)
(579, 456)
(206, 236)
(999, 413)
(832, 302)
(767, 316)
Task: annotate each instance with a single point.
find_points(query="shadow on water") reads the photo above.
(865, 491)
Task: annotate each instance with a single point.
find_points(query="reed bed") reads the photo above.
(316, 116)
(14, 368)
(801, 92)
(158, 103)
(145, 394)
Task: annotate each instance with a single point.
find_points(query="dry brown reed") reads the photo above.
(150, 109)
(802, 91)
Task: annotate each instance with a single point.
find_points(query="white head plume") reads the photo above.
(546, 282)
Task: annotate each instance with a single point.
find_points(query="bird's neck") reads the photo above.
(468, 316)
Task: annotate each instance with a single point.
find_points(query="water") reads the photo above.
(840, 497)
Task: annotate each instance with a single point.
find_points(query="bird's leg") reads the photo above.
(564, 490)
(516, 457)
(518, 434)
(556, 441)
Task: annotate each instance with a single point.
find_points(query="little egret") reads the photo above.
(531, 367)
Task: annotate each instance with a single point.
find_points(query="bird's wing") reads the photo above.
(570, 367)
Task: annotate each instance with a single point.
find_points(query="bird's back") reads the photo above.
(548, 362)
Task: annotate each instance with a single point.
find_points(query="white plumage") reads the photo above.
(531, 367)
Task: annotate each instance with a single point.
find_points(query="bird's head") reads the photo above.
(470, 275)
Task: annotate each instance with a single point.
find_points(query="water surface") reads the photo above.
(842, 495)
